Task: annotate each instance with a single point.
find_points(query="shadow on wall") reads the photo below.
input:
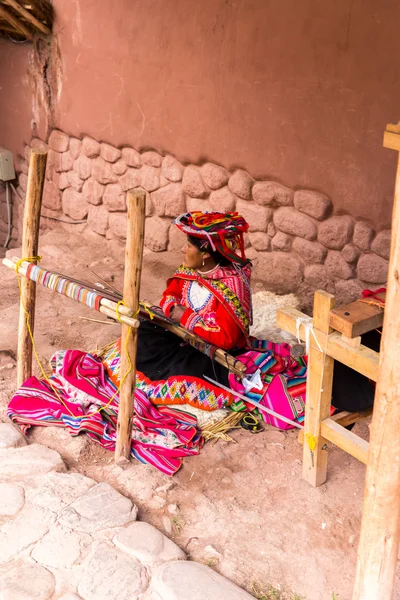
(295, 241)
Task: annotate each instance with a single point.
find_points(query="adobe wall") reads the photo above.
(296, 242)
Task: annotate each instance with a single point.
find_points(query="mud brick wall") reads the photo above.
(296, 242)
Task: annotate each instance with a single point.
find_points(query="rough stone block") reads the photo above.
(75, 147)
(102, 172)
(83, 166)
(347, 291)
(271, 229)
(350, 253)
(193, 204)
(114, 198)
(252, 254)
(118, 223)
(12, 499)
(260, 241)
(291, 221)
(257, 216)
(187, 580)
(281, 241)
(318, 277)
(109, 153)
(151, 158)
(147, 544)
(58, 141)
(74, 204)
(268, 193)
(131, 158)
(23, 166)
(130, 179)
(381, 244)
(51, 196)
(39, 144)
(90, 147)
(372, 268)
(172, 169)
(214, 176)
(193, 184)
(240, 183)
(149, 178)
(100, 508)
(75, 181)
(336, 232)
(362, 236)
(282, 272)
(222, 200)
(156, 234)
(337, 266)
(10, 436)
(169, 201)
(27, 581)
(93, 191)
(310, 252)
(177, 239)
(110, 573)
(62, 181)
(313, 204)
(20, 462)
(120, 167)
(98, 219)
(66, 162)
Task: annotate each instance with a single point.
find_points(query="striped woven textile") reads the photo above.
(64, 286)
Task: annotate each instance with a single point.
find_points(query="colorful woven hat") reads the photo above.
(223, 232)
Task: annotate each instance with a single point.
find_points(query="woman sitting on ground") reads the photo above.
(209, 295)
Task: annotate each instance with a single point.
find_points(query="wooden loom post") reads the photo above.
(319, 392)
(380, 525)
(136, 201)
(30, 243)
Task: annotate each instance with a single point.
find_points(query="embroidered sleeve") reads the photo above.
(171, 296)
(216, 327)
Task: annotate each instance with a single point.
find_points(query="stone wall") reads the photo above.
(295, 241)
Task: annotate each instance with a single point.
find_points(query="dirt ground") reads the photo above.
(242, 508)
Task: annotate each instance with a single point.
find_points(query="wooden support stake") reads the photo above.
(30, 244)
(136, 201)
(380, 526)
(319, 393)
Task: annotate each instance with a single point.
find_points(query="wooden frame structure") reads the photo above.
(136, 201)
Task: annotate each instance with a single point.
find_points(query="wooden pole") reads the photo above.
(319, 394)
(29, 17)
(15, 22)
(136, 201)
(30, 244)
(379, 540)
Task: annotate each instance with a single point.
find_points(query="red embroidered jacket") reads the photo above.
(218, 304)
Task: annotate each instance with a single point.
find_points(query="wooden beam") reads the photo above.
(380, 525)
(391, 140)
(136, 201)
(30, 243)
(356, 318)
(12, 20)
(29, 16)
(345, 439)
(361, 359)
(319, 394)
(344, 418)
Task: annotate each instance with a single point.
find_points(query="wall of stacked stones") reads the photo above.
(296, 242)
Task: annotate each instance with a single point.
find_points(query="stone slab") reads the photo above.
(186, 580)
(61, 547)
(100, 508)
(10, 437)
(27, 582)
(12, 499)
(17, 463)
(147, 544)
(110, 574)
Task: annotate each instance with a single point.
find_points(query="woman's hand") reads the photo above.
(177, 312)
